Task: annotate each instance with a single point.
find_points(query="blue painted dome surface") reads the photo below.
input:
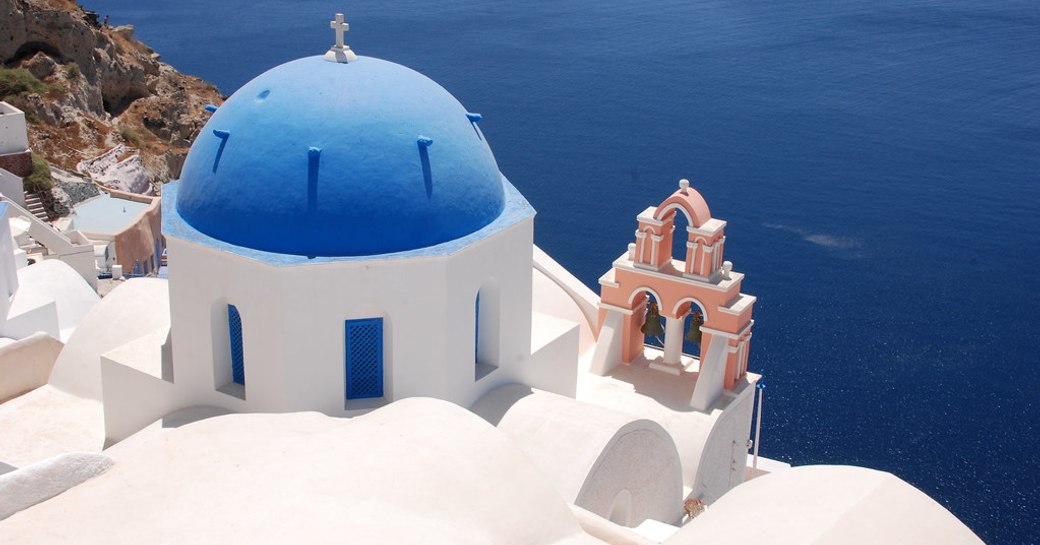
(317, 158)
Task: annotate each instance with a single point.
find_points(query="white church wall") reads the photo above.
(501, 265)
(294, 317)
(202, 282)
(407, 294)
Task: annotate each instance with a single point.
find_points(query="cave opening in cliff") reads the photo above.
(28, 49)
(117, 105)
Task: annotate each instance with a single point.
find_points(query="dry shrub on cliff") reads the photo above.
(40, 179)
(130, 136)
(72, 72)
(16, 82)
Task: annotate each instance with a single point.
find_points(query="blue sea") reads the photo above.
(878, 163)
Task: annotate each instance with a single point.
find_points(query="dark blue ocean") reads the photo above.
(877, 161)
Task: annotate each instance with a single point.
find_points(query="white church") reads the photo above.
(359, 341)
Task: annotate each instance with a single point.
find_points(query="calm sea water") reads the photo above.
(878, 163)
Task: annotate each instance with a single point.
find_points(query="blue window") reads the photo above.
(238, 370)
(364, 366)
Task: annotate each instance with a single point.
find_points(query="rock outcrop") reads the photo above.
(103, 88)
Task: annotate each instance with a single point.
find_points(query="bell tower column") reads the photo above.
(673, 338)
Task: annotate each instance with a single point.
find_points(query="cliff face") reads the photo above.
(102, 88)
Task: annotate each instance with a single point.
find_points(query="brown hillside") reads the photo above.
(100, 87)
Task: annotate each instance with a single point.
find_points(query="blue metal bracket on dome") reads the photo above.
(424, 158)
(313, 158)
(210, 108)
(474, 118)
(223, 136)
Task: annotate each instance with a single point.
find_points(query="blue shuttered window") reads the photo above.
(238, 370)
(364, 355)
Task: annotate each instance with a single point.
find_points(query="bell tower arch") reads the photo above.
(699, 281)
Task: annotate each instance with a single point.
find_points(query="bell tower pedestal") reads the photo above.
(673, 338)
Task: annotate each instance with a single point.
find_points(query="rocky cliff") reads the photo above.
(98, 88)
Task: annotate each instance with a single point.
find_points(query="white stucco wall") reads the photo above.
(13, 137)
(8, 264)
(11, 187)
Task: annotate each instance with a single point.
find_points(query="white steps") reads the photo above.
(34, 205)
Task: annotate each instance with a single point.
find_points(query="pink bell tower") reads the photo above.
(700, 281)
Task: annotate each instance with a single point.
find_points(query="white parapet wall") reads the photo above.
(28, 486)
(26, 364)
(12, 187)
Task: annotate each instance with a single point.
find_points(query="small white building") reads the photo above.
(123, 228)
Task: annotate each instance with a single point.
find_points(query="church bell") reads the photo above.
(694, 333)
(652, 324)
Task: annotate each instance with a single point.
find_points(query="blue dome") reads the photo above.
(318, 158)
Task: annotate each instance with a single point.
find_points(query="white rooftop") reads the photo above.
(106, 214)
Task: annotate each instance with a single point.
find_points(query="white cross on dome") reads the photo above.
(340, 52)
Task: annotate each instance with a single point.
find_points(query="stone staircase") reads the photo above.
(34, 204)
